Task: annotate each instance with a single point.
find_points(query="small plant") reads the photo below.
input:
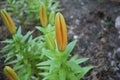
(22, 51)
(29, 8)
(58, 66)
(45, 57)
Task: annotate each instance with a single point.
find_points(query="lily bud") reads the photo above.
(50, 41)
(10, 73)
(52, 17)
(8, 22)
(61, 32)
(43, 15)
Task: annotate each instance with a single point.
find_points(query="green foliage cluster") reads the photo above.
(27, 11)
(39, 58)
(23, 52)
(34, 60)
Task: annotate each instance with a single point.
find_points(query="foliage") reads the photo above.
(23, 51)
(58, 67)
(44, 57)
(29, 8)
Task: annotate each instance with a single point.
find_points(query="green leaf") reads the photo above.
(73, 66)
(81, 60)
(74, 58)
(18, 66)
(19, 31)
(8, 57)
(43, 73)
(62, 74)
(69, 48)
(12, 62)
(44, 67)
(44, 63)
(71, 76)
(6, 48)
(48, 53)
(51, 76)
(30, 39)
(7, 41)
(84, 71)
(25, 72)
(26, 36)
(40, 29)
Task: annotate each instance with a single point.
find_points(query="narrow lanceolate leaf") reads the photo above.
(62, 74)
(8, 22)
(43, 16)
(52, 17)
(84, 71)
(10, 73)
(61, 32)
(81, 60)
(69, 48)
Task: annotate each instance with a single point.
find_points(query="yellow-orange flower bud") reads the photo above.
(10, 73)
(8, 22)
(43, 16)
(61, 32)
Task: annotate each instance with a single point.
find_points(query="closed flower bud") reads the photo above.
(10, 73)
(50, 41)
(61, 32)
(8, 22)
(43, 16)
(52, 17)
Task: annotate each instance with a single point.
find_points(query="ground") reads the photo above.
(92, 23)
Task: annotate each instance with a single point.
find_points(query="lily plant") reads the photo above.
(45, 57)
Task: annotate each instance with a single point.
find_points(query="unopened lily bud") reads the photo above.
(52, 17)
(8, 22)
(50, 41)
(10, 73)
(43, 16)
(61, 32)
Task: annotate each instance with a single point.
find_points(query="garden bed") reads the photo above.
(91, 22)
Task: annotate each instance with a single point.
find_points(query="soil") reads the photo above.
(91, 22)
